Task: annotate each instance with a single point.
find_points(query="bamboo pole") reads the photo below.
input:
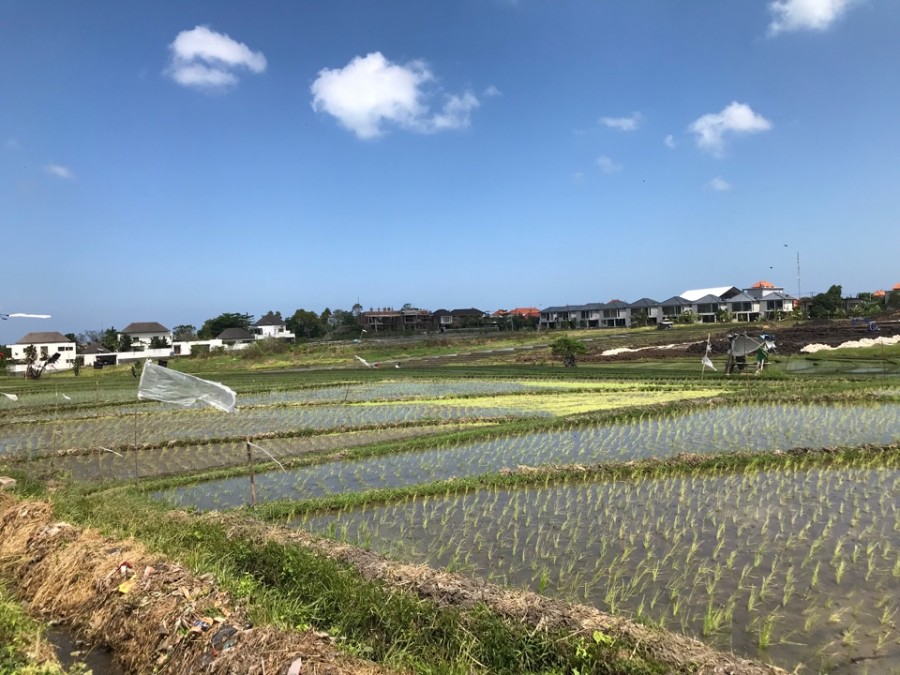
(252, 479)
(135, 444)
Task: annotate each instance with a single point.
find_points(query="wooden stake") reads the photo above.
(252, 480)
(135, 445)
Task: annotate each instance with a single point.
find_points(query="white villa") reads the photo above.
(143, 332)
(271, 326)
(47, 344)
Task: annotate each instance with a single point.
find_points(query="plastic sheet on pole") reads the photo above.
(170, 386)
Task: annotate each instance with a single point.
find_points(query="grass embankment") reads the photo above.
(292, 586)
(402, 616)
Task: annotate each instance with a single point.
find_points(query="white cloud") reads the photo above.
(790, 15)
(204, 59)
(669, 142)
(59, 171)
(456, 113)
(607, 165)
(736, 118)
(371, 92)
(623, 123)
(491, 90)
(719, 184)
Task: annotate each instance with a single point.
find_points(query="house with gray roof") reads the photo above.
(743, 307)
(231, 336)
(554, 317)
(644, 312)
(469, 317)
(271, 326)
(671, 309)
(615, 314)
(142, 334)
(774, 303)
(46, 344)
(706, 308)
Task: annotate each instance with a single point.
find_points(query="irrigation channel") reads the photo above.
(749, 427)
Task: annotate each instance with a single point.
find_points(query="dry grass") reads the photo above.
(155, 617)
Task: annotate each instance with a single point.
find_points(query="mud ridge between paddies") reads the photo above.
(153, 614)
(536, 611)
(170, 620)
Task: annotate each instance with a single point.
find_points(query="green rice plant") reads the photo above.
(767, 626)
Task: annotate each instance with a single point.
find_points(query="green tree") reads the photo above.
(892, 300)
(214, 326)
(869, 304)
(125, 343)
(325, 316)
(640, 318)
(157, 342)
(827, 305)
(687, 316)
(184, 332)
(566, 348)
(89, 336)
(110, 339)
(306, 324)
(30, 355)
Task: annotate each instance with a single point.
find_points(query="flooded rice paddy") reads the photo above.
(790, 566)
(711, 430)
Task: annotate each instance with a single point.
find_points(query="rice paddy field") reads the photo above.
(759, 515)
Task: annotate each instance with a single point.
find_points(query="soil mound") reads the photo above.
(789, 340)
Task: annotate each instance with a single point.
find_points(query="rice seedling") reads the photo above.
(589, 541)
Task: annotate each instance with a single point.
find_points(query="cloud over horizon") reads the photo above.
(736, 118)
(608, 165)
(206, 60)
(59, 171)
(792, 15)
(623, 123)
(719, 184)
(371, 92)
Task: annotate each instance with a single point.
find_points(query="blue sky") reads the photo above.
(172, 161)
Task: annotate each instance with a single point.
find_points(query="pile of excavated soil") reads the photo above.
(153, 614)
(788, 340)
